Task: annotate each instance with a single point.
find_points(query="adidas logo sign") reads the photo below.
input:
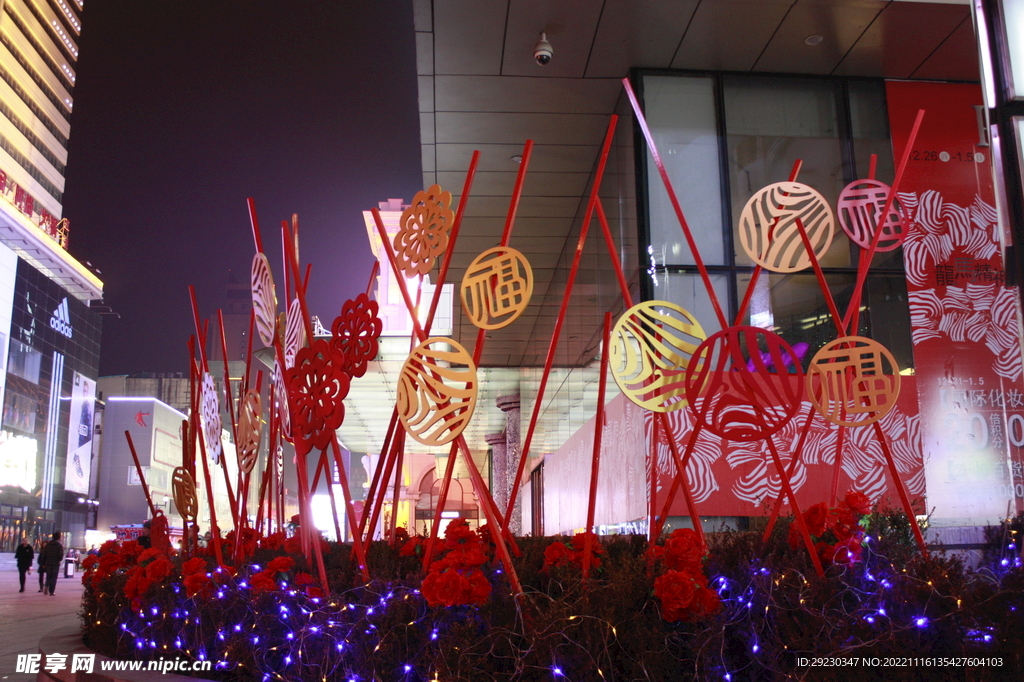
(61, 319)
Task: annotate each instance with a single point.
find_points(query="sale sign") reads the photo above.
(965, 320)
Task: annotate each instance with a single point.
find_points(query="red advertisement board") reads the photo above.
(965, 321)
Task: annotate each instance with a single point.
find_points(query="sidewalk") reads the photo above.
(26, 616)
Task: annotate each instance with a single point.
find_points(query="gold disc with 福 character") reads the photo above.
(650, 346)
(853, 381)
(497, 287)
(437, 391)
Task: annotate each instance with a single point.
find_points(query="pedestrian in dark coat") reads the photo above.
(52, 556)
(24, 555)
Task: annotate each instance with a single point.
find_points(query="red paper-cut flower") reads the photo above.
(354, 335)
(316, 388)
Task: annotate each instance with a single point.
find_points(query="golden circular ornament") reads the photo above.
(250, 428)
(497, 287)
(768, 226)
(437, 391)
(264, 298)
(650, 346)
(183, 489)
(853, 381)
(423, 231)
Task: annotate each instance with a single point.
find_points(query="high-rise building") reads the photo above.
(49, 336)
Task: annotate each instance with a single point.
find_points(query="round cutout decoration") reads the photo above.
(497, 287)
(853, 381)
(437, 391)
(209, 410)
(264, 299)
(183, 489)
(770, 235)
(423, 231)
(250, 428)
(650, 345)
(744, 383)
(860, 204)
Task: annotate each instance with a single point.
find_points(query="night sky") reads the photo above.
(183, 109)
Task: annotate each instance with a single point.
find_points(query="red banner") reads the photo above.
(965, 321)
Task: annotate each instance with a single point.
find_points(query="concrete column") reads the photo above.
(509, 404)
(499, 470)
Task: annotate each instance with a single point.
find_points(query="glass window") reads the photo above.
(681, 114)
(772, 122)
(687, 291)
(24, 361)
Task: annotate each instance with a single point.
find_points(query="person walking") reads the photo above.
(24, 555)
(39, 569)
(51, 558)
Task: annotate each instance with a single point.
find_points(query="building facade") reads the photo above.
(49, 336)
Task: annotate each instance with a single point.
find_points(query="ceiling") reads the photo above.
(480, 89)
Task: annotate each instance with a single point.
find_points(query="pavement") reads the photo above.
(26, 616)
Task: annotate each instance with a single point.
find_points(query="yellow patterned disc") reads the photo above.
(497, 287)
(437, 391)
(650, 346)
(183, 487)
(853, 381)
(769, 232)
(250, 428)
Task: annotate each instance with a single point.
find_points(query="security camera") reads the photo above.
(542, 50)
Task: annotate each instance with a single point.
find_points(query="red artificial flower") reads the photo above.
(858, 502)
(458, 533)
(148, 555)
(412, 547)
(293, 545)
(193, 565)
(467, 556)
(845, 524)
(302, 579)
(354, 335)
(479, 589)
(675, 590)
(195, 583)
(281, 564)
(316, 388)
(262, 582)
(110, 546)
(848, 551)
(159, 569)
(705, 602)
(90, 561)
(312, 591)
(444, 589)
(273, 541)
(818, 519)
(401, 534)
(683, 549)
(557, 554)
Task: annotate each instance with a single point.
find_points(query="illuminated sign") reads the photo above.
(61, 319)
(80, 432)
(18, 460)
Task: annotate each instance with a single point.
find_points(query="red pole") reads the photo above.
(595, 462)
(675, 203)
(853, 312)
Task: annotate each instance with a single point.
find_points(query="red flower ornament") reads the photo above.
(316, 388)
(354, 335)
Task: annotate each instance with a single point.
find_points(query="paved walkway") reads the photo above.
(27, 616)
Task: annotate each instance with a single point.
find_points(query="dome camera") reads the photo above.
(542, 50)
